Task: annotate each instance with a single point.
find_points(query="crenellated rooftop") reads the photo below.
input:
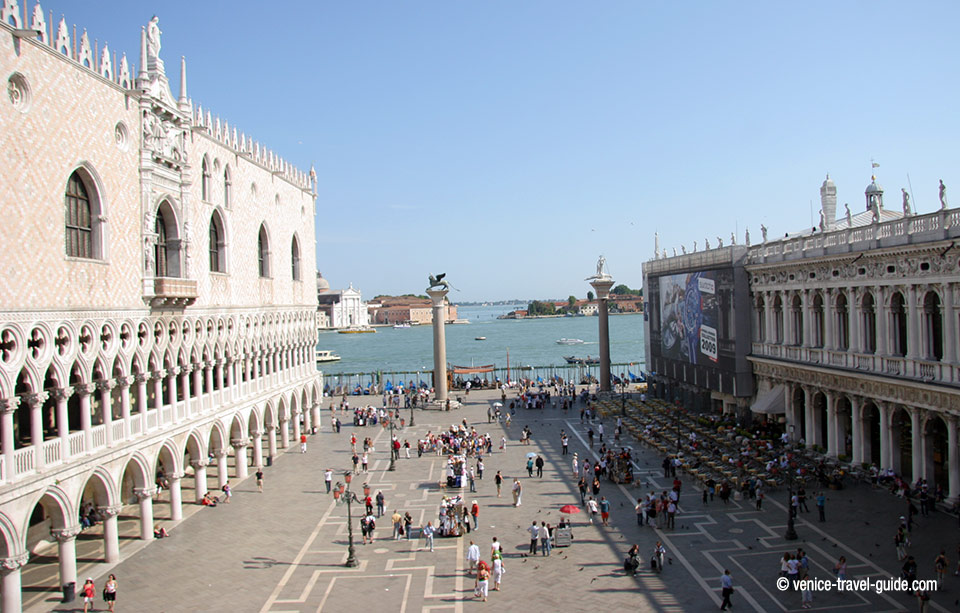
(33, 24)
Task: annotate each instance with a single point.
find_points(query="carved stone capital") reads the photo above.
(198, 464)
(9, 405)
(124, 382)
(238, 443)
(36, 400)
(62, 394)
(62, 535)
(15, 562)
(110, 511)
(140, 378)
(84, 389)
(256, 433)
(186, 369)
(158, 374)
(219, 453)
(176, 476)
(145, 492)
(106, 386)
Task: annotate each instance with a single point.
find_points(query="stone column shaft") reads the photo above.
(953, 460)
(856, 425)
(439, 344)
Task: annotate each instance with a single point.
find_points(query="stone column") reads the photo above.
(185, 371)
(601, 286)
(240, 455)
(828, 320)
(106, 408)
(221, 393)
(124, 383)
(158, 376)
(10, 581)
(176, 498)
(810, 434)
(856, 424)
(199, 479)
(854, 318)
(7, 407)
(145, 495)
(230, 395)
(222, 476)
(886, 455)
(111, 533)
(62, 395)
(315, 417)
(172, 393)
(35, 403)
(833, 426)
(141, 381)
(296, 428)
(197, 404)
(949, 326)
(208, 373)
(439, 345)
(66, 552)
(917, 445)
(257, 442)
(806, 309)
(271, 441)
(284, 433)
(883, 320)
(84, 390)
(953, 460)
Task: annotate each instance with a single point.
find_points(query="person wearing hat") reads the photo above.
(89, 591)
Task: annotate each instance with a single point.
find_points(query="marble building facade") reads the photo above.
(157, 294)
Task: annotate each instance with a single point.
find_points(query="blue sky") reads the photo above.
(509, 143)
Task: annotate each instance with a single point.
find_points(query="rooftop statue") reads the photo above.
(943, 195)
(153, 37)
(747, 237)
(906, 202)
(849, 215)
(763, 232)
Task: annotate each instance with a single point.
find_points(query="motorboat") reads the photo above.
(397, 326)
(480, 338)
(569, 341)
(324, 355)
(587, 361)
(356, 331)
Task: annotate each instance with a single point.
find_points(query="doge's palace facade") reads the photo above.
(157, 294)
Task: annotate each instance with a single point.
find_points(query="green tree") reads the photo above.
(590, 296)
(572, 301)
(623, 290)
(540, 308)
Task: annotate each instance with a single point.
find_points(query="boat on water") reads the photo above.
(480, 338)
(587, 361)
(326, 356)
(357, 331)
(397, 326)
(569, 341)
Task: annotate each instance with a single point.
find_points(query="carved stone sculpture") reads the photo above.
(437, 281)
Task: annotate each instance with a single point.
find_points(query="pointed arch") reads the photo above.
(217, 242)
(167, 249)
(263, 251)
(295, 258)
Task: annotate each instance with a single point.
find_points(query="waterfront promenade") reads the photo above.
(283, 550)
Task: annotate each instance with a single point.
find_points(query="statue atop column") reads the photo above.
(437, 281)
(601, 263)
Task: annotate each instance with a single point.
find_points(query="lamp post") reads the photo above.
(393, 452)
(678, 426)
(412, 402)
(348, 497)
(791, 533)
(623, 397)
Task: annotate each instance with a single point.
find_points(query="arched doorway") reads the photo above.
(52, 538)
(195, 462)
(844, 427)
(821, 422)
(871, 434)
(135, 485)
(799, 413)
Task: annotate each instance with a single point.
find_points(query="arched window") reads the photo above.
(898, 328)
(818, 321)
(79, 227)
(216, 247)
(205, 180)
(932, 327)
(227, 186)
(761, 320)
(868, 316)
(263, 252)
(796, 308)
(295, 258)
(843, 323)
(167, 250)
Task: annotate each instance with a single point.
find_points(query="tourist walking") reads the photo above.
(539, 464)
(840, 568)
(364, 459)
(498, 569)
(303, 443)
(483, 583)
(940, 564)
(259, 476)
(600, 431)
(726, 590)
(593, 508)
(641, 510)
(475, 513)
(380, 501)
(821, 506)
(110, 592)
(564, 442)
(604, 510)
(529, 467)
(480, 468)
(428, 536)
(397, 521)
(328, 478)
(576, 465)
(517, 492)
(407, 524)
(582, 486)
(472, 478)
(534, 531)
(473, 557)
(89, 592)
(227, 493)
(498, 479)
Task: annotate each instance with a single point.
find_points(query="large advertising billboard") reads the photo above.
(689, 318)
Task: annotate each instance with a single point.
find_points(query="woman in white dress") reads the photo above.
(497, 571)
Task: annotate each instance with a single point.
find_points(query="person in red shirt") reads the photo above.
(303, 443)
(89, 592)
(475, 511)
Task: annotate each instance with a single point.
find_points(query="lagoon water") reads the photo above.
(530, 342)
